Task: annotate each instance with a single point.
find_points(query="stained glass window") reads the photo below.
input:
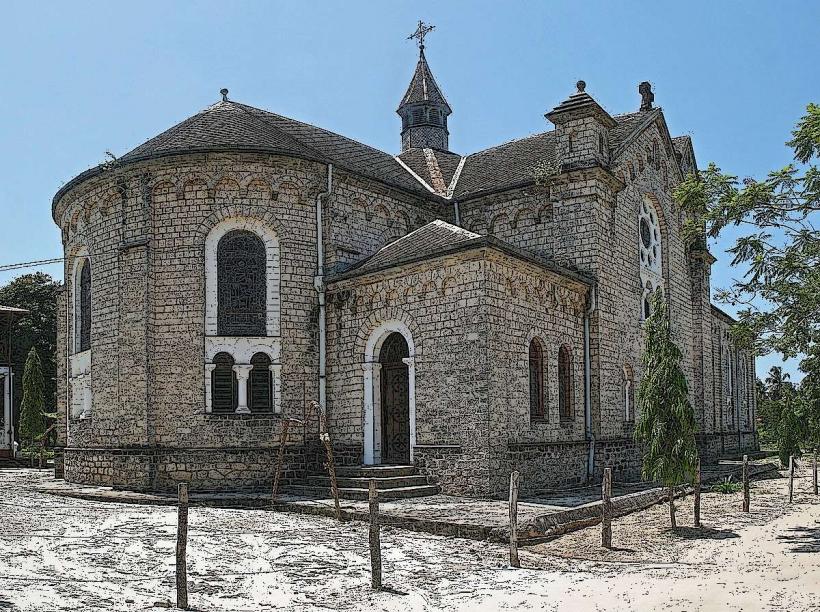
(84, 319)
(260, 388)
(564, 383)
(536, 359)
(241, 285)
(223, 384)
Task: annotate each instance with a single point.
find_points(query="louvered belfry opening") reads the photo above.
(260, 385)
(223, 384)
(241, 285)
(85, 306)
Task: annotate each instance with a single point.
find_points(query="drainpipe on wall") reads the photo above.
(319, 284)
(590, 436)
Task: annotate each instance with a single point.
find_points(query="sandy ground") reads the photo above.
(67, 554)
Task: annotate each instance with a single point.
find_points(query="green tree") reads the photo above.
(790, 431)
(32, 419)
(666, 426)
(37, 293)
(779, 294)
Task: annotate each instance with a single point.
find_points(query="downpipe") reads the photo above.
(588, 433)
(319, 285)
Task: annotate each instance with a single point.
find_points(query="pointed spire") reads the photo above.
(423, 87)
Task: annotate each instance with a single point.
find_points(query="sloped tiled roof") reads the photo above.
(423, 87)
(447, 163)
(506, 165)
(424, 242)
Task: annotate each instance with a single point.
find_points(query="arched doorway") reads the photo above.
(389, 411)
(395, 400)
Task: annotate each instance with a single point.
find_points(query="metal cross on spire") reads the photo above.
(421, 31)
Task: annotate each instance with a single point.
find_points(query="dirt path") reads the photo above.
(64, 554)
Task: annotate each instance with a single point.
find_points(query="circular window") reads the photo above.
(646, 234)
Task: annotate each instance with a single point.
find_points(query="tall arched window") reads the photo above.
(629, 394)
(84, 307)
(649, 238)
(260, 393)
(565, 410)
(241, 285)
(536, 360)
(223, 384)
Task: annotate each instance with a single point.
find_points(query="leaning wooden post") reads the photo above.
(791, 478)
(814, 472)
(606, 509)
(331, 464)
(280, 458)
(745, 483)
(697, 494)
(514, 561)
(182, 545)
(375, 538)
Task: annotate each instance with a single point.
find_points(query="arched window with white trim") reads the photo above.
(649, 239)
(537, 391)
(565, 384)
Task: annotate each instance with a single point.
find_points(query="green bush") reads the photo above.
(727, 486)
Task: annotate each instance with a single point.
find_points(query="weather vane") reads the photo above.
(422, 31)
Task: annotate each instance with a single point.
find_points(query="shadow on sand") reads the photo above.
(802, 539)
(703, 533)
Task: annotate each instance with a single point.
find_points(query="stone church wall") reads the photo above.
(441, 302)
(144, 228)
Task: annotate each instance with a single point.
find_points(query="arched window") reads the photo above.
(84, 307)
(565, 411)
(629, 394)
(536, 360)
(223, 384)
(649, 238)
(260, 386)
(241, 285)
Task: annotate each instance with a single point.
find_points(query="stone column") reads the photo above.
(371, 370)
(276, 375)
(411, 383)
(209, 399)
(75, 408)
(243, 371)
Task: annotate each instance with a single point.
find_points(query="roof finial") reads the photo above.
(224, 93)
(421, 31)
(647, 97)
(581, 85)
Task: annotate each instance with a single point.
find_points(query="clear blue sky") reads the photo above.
(80, 78)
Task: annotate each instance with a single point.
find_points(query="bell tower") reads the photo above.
(423, 109)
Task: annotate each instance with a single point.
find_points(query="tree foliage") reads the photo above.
(37, 293)
(32, 419)
(779, 295)
(666, 424)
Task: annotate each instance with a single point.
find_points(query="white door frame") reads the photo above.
(372, 389)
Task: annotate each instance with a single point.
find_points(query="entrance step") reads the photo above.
(362, 494)
(375, 471)
(392, 482)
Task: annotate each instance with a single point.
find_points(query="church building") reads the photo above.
(459, 314)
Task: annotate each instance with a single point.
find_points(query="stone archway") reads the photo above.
(389, 395)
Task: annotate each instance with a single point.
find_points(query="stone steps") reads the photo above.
(382, 483)
(392, 482)
(361, 494)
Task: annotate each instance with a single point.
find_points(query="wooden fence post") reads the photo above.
(375, 539)
(182, 545)
(280, 458)
(697, 494)
(814, 472)
(606, 509)
(514, 560)
(745, 483)
(791, 478)
(331, 464)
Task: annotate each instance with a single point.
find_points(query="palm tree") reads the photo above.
(775, 383)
